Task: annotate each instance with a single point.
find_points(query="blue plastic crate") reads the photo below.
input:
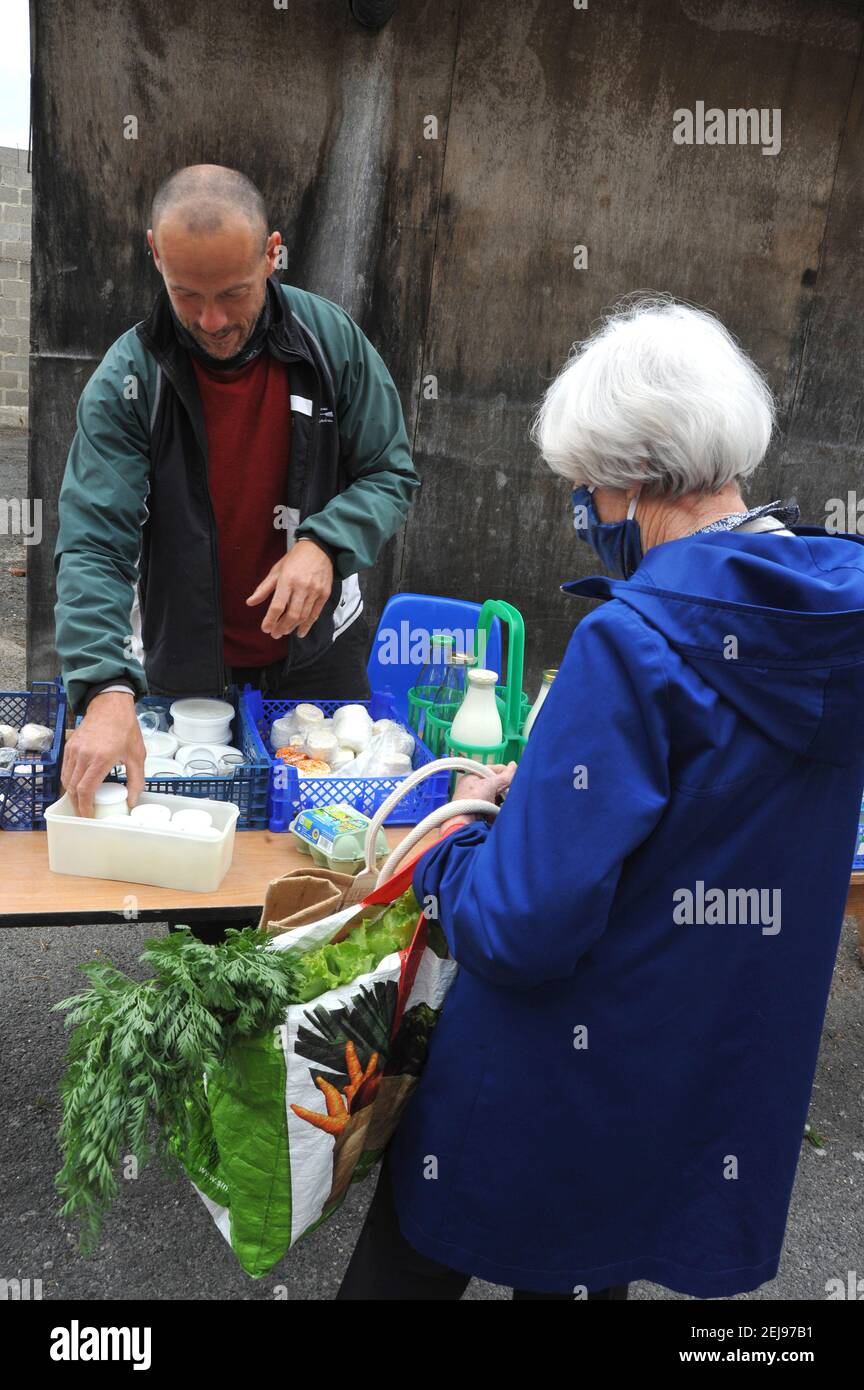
(248, 787)
(365, 794)
(858, 861)
(26, 794)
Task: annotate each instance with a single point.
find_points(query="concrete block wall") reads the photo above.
(16, 193)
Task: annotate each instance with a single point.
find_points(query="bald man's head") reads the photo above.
(210, 243)
(203, 197)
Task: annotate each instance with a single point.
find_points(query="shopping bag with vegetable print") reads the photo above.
(292, 1118)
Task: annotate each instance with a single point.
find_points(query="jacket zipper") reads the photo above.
(314, 443)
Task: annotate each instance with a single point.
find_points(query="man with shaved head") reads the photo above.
(240, 455)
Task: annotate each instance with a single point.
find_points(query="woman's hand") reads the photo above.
(475, 786)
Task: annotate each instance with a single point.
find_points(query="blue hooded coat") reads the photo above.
(618, 1085)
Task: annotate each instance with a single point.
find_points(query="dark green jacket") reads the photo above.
(136, 557)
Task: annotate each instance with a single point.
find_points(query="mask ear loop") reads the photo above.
(631, 510)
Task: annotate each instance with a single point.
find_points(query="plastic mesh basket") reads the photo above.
(25, 794)
(247, 786)
(858, 861)
(290, 793)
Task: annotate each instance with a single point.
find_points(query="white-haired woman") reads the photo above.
(618, 1085)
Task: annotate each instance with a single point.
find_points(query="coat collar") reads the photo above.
(157, 331)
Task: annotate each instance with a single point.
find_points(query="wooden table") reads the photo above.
(855, 907)
(32, 896)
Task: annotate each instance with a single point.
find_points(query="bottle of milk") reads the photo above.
(545, 686)
(477, 720)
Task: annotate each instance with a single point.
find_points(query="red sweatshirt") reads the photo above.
(247, 414)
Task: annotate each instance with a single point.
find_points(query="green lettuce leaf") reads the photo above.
(362, 950)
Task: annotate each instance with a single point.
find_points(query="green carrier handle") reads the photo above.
(510, 748)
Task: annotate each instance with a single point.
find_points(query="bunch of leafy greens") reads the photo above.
(362, 949)
(139, 1049)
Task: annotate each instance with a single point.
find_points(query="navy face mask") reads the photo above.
(618, 544)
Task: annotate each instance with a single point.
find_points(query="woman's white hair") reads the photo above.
(660, 395)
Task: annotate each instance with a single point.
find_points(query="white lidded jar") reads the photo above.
(545, 686)
(477, 720)
(202, 721)
(110, 800)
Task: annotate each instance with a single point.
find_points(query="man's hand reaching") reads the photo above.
(300, 585)
(109, 733)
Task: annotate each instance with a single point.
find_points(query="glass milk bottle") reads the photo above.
(545, 685)
(452, 691)
(477, 721)
(434, 675)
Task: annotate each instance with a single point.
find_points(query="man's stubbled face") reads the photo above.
(217, 282)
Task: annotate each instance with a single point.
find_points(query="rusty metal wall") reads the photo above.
(551, 127)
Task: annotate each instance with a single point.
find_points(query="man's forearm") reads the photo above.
(358, 522)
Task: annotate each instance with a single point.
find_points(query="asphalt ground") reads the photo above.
(159, 1243)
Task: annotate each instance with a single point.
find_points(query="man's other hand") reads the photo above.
(300, 584)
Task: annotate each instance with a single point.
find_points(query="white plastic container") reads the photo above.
(121, 850)
(160, 744)
(202, 721)
(150, 815)
(110, 800)
(160, 767)
(192, 818)
(188, 752)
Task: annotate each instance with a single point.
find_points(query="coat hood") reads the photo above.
(775, 624)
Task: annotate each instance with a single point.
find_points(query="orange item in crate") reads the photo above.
(291, 755)
(306, 766)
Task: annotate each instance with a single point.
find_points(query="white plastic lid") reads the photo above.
(206, 710)
(109, 794)
(480, 675)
